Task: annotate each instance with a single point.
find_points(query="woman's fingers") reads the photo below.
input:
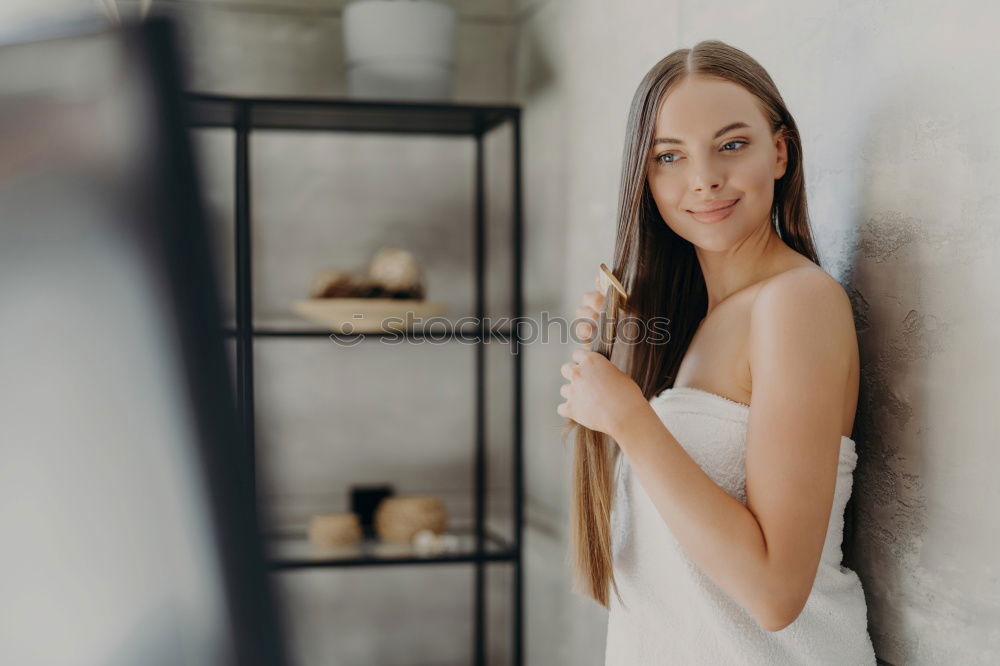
(593, 304)
(594, 300)
(587, 324)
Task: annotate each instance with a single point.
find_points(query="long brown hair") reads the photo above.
(663, 278)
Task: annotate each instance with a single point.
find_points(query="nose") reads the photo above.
(706, 178)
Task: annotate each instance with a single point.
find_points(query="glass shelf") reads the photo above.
(347, 114)
(294, 550)
(299, 328)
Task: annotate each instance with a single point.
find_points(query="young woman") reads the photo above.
(720, 525)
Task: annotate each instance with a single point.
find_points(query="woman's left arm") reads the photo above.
(765, 554)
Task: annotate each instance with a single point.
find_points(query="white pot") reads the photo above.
(399, 49)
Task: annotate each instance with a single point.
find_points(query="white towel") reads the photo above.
(675, 614)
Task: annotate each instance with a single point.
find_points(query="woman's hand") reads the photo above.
(599, 396)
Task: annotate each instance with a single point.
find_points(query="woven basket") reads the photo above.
(397, 519)
(332, 530)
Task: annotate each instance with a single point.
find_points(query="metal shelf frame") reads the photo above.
(245, 115)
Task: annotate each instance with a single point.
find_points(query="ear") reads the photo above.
(781, 147)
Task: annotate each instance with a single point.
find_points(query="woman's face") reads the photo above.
(711, 146)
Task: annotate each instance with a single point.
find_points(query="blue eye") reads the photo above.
(659, 158)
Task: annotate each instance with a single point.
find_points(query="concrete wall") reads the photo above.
(893, 101)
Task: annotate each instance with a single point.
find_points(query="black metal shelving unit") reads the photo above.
(244, 115)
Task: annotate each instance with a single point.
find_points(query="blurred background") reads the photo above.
(894, 101)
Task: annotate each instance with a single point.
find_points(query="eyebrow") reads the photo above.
(727, 128)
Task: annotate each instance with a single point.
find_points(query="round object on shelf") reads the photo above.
(426, 542)
(332, 530)
(399, 519)
(396, 270)
(399, 50)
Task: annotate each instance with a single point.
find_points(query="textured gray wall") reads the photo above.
(895, 103)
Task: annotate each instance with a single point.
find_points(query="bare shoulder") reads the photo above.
(805, 293)
(802, 337)
(805, 314)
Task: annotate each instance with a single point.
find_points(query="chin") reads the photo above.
(716, 244)
(709, 237)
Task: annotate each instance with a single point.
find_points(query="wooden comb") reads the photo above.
(615, 297)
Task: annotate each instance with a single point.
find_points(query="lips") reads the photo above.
(715, 205)
(721, 211)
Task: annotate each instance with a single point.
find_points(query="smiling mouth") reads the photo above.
(732, 202)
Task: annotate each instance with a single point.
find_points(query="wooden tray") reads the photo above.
(367, 315)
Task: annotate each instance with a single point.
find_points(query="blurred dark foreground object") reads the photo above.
(126, 506)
